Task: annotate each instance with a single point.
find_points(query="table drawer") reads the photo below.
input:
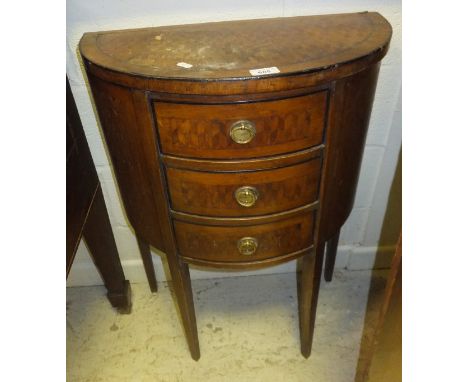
(245, 243)
(247, 193)
(241, 130)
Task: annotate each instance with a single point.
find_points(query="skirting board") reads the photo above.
(348, 257)
(365, 258)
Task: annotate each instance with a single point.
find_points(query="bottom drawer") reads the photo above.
(245, 243)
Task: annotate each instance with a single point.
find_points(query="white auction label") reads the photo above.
(263, 71)
(184, 65)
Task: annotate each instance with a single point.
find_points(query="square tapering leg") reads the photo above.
(183, 291)
(332, 246)
(145, 253)
(308, 296)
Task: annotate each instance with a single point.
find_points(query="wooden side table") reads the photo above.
(238, 144)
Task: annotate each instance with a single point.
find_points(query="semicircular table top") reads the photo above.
(230, 49)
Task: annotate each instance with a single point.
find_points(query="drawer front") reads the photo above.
(244, 194)
(234, 244)
(242, 130)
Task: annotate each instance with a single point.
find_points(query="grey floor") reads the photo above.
(248, 331)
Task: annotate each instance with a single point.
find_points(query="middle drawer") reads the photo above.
(250, 193)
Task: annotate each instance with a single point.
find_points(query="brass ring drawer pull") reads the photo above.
(246, 196)
(247, 246)
(242, 131)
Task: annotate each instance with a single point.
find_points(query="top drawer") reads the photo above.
(241, 130)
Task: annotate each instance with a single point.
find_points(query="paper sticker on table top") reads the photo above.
(263, 71)
(184, 65)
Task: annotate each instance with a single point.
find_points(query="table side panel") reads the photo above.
(131, 142)
(350, 110)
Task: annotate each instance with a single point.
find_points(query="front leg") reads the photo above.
(308, 296)
(183, 291)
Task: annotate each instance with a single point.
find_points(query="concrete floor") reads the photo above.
(248, 331)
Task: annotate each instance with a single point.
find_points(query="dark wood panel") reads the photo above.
(132, 148)
(350, 110)
(81, 179)
(203, 131)
(220, 243)
(213, 194)
(87, 215)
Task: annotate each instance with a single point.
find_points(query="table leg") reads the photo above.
(148, 264)
(97, 233)
(183, 291)
(308, 296)
(332, 246)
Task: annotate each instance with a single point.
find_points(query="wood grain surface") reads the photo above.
(231, 49)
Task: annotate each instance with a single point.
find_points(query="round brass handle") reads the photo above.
(246, 196)
(247, 246)
(242, 131)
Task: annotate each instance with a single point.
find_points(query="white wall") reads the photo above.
(360, 235)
